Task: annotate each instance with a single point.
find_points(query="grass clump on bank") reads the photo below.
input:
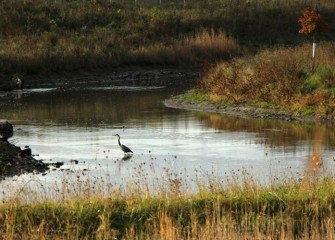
(279, 78)
(294, 210)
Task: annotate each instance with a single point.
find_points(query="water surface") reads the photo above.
(79, 123)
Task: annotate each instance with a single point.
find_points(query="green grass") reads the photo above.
(263, 104)
(323, 77)
(194, 96)
(308, 112)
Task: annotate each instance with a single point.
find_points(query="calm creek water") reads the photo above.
(168, 144)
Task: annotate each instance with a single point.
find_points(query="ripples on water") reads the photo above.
(169, 144)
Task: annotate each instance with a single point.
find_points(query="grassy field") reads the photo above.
(48, 37)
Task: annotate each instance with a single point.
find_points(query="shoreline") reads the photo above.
(142, 76)
(240, 111)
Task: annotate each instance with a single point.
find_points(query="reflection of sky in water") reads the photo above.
(167, 143)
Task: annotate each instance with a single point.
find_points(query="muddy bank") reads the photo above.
(238, 111)
(118, 77)
(15, 161)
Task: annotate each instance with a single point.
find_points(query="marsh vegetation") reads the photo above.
(68, 36)
(279, 78)
(231, 207)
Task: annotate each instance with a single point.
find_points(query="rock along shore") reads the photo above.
(15, 161)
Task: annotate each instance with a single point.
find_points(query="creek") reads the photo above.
(171, 146)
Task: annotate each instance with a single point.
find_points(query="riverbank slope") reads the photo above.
(238, 111)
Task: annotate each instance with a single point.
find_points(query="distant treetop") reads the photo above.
(312, 22)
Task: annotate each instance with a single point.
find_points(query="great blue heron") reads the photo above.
(124, 148)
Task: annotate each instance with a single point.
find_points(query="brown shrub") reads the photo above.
(277, 77)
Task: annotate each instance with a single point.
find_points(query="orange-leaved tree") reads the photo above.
(312, 24)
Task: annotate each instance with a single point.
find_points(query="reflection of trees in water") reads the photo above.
(86, 107)
(274, 133)
(314, 163)
(282, 134)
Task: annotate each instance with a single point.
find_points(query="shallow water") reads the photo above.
(168, 144)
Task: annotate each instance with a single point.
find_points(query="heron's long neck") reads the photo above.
(119, 141)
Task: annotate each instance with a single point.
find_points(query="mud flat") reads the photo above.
(238, 111)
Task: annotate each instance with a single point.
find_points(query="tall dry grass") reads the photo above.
(279, 78)
(57, 36)
(192, 50)
(242, 209)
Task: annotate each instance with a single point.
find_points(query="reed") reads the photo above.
(192, 50)
(233, 206)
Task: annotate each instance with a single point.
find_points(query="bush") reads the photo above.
(279, 77)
